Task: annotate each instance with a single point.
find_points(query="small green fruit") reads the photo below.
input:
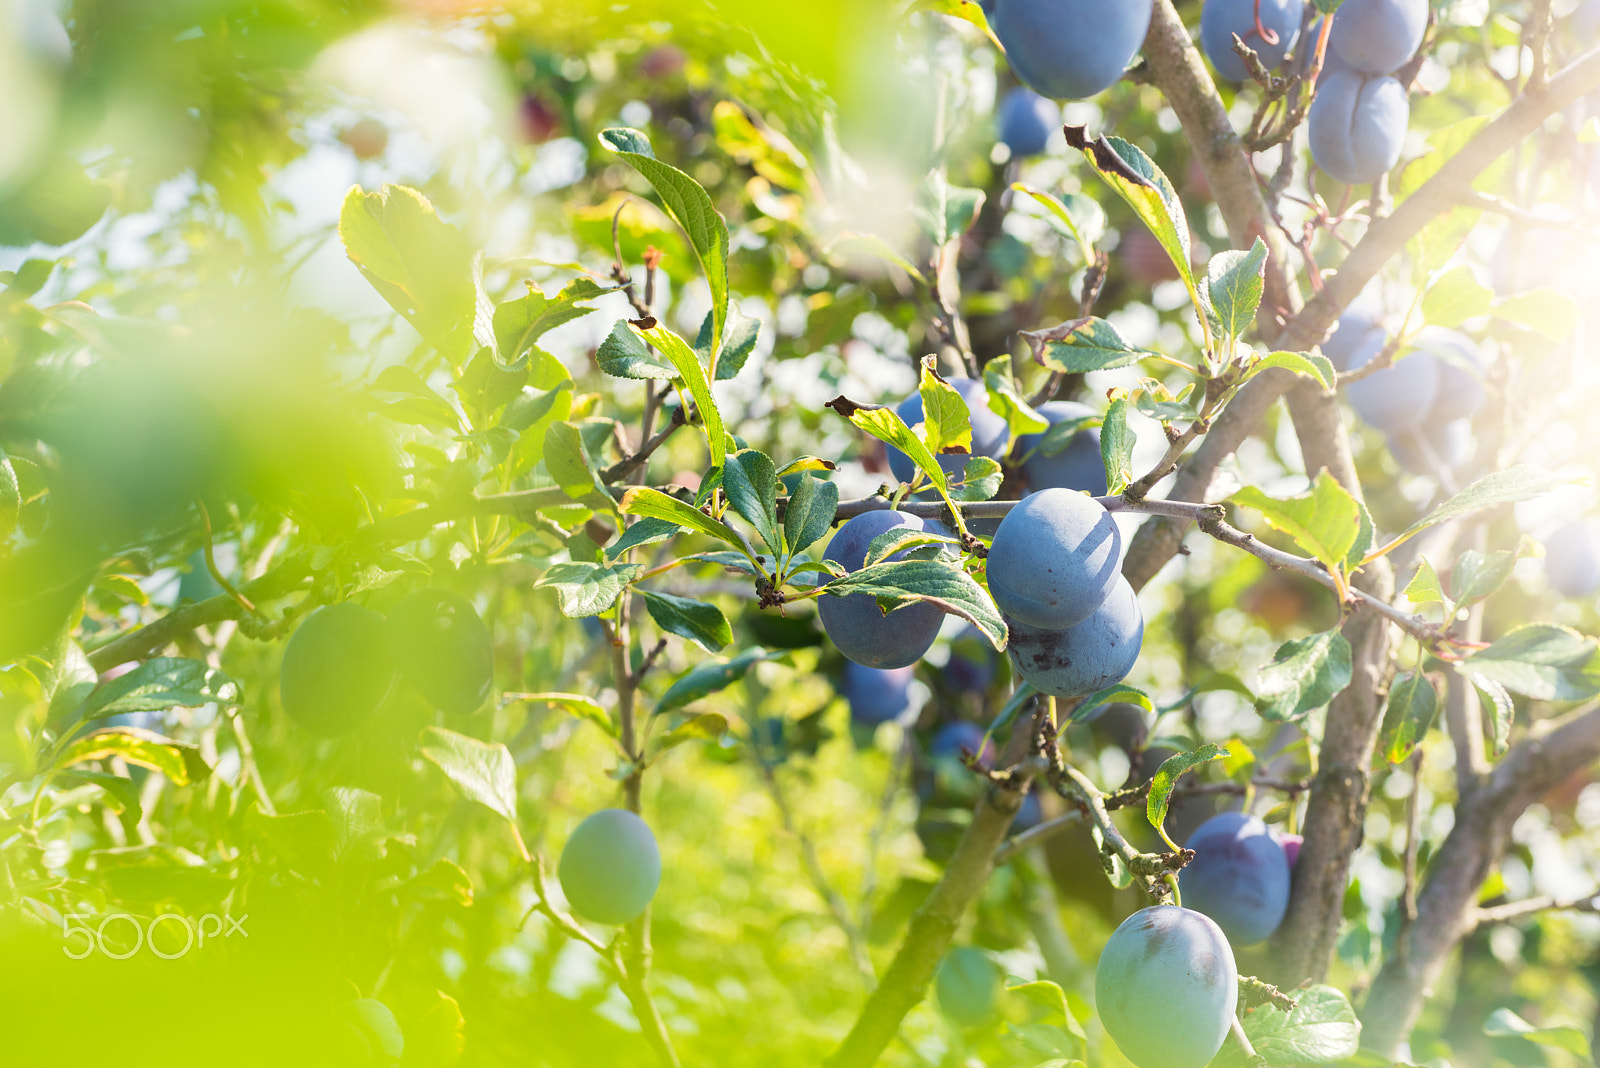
(336, 669)
(967, 986)
(610, 867)
(443, 649)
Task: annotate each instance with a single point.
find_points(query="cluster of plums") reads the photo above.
(1167, 985)
(341, 661)
(1425, 401)
(1357, 123)
(1053, 568)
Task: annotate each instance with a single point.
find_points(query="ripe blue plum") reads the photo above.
(443, 649)
(1378, 36)
(1054, 559)
(1291, 846)
(1357, 338)
(610, 867)
(1571, 561)
(990, 434)
(1461, 370)
(336, 669)
(1030, 815)
(972, 662)
(1026, 121)
(955, 740)
(1078, 466)
(1167, 987)
(1357, 125)
(875, 695)
(1070, 49)
(1239, 877)
(967, 986)
(1221, 20)
(855, 623)
(1398, 398)
(1082, 659)
(1451, 445)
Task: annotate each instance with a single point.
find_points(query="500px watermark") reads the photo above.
(194, 933)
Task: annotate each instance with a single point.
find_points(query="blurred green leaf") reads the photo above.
(1082, 218)
(706, 678)
(1543, 661)
(160, 683)
(1503, 1023)
(484, 772)
(1424, 586)
(180, 762)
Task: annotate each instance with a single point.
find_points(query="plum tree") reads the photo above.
(876, 695)
(1054, 559)
(967, 986)
(855, 623)
(1026, 120)
(1076, 465)
(1221, 20)
(1239, 876)
(1378, 36)
(1070, 49)
(1571, 560)
(1357, 125)
(610, 867)
(336, 669)
(990, 434)
(1166, 987)
(1086, 657)
(443, 649)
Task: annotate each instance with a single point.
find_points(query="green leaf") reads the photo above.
(1007, 403)
(1499, 707)
(980, 480)
(568, 463)
(652, 503)
(10, 497)
(180, 762)
(1234, 281)
(946, 421)
(416, 261)
(1520, 483)
(483, 771)
(1324, 522)
(1424, 586)
(901, 539)
(899, 582)
(1116, 447)
(1312, 365)
(1082, 218)
(810, 512)
(1117, 694)
(738, 342)
(1478, 575)
(1408, 715)
(703, 728)
(1137, 180)
(585, 589)
(945, 211)
(1549, 312)
(1304, 675)
(695, 621)
(1322, 1028)
(706, 678)
(623, 354)
(122, 794)
(1503, 1023)
(574, 704)
(1060, 435)
(1543, 661)
(751, 482)
(1091, 345)
(644, 532)
(886, 425)
(1454, 297)
(681, 356)
(519, 324)
(1048, 995)
(1166, 777)
(160, 683)
(691, 206)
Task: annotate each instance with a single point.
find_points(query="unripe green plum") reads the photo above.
(1070, 48)
(610, 867)
(1357, 125)
(1054, 559)
(967, 986)
(443, 649)
(1081, 659)
(1077, 466)
(855, 623)
(336, 669)
(1167, 987)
